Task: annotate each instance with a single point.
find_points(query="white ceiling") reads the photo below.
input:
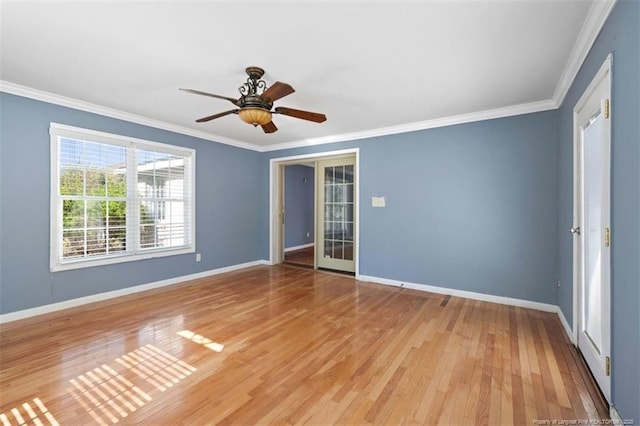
(373, 67)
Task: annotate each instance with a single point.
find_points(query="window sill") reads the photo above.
(56, 266)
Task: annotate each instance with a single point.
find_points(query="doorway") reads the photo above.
(592, 228)
(299, 214)
(277, 219)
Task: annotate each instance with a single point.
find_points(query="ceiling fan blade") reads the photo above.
(269, 127)
(305, 115)
(197, 92)
(214, 116)
(277, 90)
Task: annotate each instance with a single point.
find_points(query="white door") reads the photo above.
(336, 195)
(591, 229)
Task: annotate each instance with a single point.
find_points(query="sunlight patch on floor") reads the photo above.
(201, 340)
(155, 366)
(108, 396)
(35, 414)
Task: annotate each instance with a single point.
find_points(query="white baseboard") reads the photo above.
(565, 324)
(26, 313)
(14, 316)
(616, 419)
(462, 293)
(294, 248)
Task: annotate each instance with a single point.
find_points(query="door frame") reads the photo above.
(276, 200)
(604, 73)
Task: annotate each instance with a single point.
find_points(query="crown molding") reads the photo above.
(596, 18)
(52, 98)
(422, 125)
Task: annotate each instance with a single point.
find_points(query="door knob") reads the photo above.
(575, 231)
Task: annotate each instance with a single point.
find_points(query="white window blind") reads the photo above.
(117, 199)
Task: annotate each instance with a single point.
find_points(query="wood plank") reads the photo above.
(297, 346)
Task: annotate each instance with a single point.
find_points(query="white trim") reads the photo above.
(58, 131)
(303, 246)
(274, 163)
(596, 18)
(314, 155)
(55, 209)
(605, 69)
(356, 212)
(52, 98)
(57, 266)
(575, 244)
(616, 419)
(546, 307)
(421, 125)
(66, 130)
(40, 310)
(565, 324)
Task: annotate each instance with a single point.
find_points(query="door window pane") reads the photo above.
(328, 175)
(328, 248)
(349, 193)
(593, 231)
(338, 212)
(348, 251)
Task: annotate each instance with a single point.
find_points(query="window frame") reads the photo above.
(133, 252)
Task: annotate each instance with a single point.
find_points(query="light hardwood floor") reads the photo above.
(286, 345)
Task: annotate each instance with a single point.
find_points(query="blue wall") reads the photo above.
(620, 36)
(298, 205)
(228, 208)
(470, 207)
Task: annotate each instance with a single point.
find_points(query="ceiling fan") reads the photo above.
(255, 108)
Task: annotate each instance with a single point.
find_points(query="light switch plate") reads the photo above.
(378, 201)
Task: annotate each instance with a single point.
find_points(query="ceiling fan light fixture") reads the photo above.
(255, 116)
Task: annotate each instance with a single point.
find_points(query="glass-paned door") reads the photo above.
(591, 229)
(336, 214)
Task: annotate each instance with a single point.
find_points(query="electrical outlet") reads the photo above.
(308, 235)
(558, 283)
(198, 257)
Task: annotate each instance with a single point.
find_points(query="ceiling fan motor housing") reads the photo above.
(255, 101)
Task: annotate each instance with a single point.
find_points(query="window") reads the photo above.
(116, 199)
